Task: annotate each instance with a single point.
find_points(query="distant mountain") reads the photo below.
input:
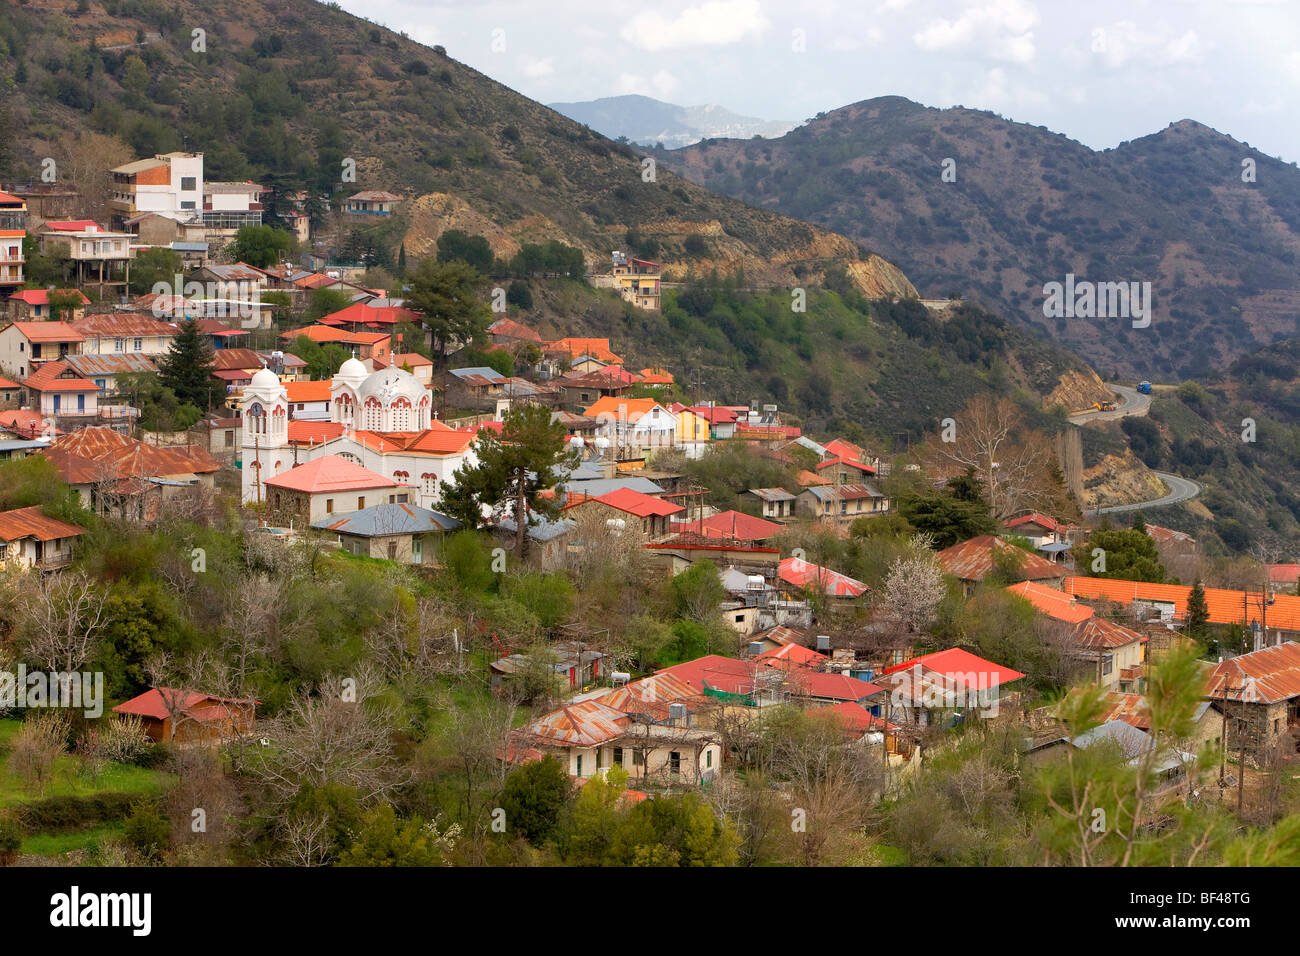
(1028, 206)
(649, 121)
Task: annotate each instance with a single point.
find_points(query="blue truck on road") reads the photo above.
(1144, 388)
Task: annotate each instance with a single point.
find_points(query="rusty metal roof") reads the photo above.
(1097, 632)
(97, 453)
(33, 523)
(587, 724)
(973, 560)
(1265, 676)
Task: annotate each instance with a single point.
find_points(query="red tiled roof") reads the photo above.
(329, 473)
(635, 503)
(49, 378)
(1281, 573)
(510, 329)
(303, 432)
(361, 314)
(1052, 602)
(954, 664)
(317, 333)
(852, 463)
(1225, 607)
(432, 441)
(49, 332)
(152, 703)
(732, 525)
(42, 296)
(308, 391)
(802, 574)
(33, 523)
(856, 718)
(1035, 518)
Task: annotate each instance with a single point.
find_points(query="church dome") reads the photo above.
(265, 378)
(389, 384)
(352, 369)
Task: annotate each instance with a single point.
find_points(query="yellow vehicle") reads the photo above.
(1103, 406)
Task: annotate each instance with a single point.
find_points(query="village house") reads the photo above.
(580, 391)
(124, 333)
(721, 419)
(33, 305)
(625, 508)
(371, 202)
(841, 503)
(475, 388)
(729, 526)
(1170, 765)
(1270, 618)
(329, 486)
(169, 185)
(799, 576)
(971, 561)
(945, 687)
(183, 717)
(60, 393)
(776, 503)
(229, 207)
(845, 471)
(117, 475)
(25, 346)
(13, 228)
(1260, 694)
(399, 532)
(635, 427)
(638, 280)
(31, 539)
(548, 539)
(574, 665)
(101, 258)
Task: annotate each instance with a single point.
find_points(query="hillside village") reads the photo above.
(289, 498)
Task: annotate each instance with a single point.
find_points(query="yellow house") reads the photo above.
(690, 426)
(638, 280)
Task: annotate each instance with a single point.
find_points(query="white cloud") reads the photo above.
(1002, 27)
(716, 23)
(662, 85)
(1124, 42)
(536, 67)
(850, 42)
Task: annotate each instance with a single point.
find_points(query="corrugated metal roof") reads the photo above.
(1265, 676)
(1225, 607)
(33, 523)
(973, 560)
(386, 519)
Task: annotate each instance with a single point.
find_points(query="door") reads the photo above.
(417, 550)
(58, 402)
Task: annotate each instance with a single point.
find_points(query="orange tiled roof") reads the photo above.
(1225, 607)
(1052, 602)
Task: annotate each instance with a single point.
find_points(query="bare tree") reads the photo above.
(63, 620)
(343, 735)
(1015, 465)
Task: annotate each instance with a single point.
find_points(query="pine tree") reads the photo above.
(1140, 522)
(187, 367)
(1198, 611)
(401, 261)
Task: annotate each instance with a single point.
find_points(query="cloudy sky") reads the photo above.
(1101, 72)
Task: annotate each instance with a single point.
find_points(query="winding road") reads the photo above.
(1135, 403)
(1180, 490)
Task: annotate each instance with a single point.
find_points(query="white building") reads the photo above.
(169, 184)
(380, 420)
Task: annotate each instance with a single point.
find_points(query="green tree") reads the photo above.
(187, 367)
(678, 830)
(534, 796)
(160, 408)
(457, 245)
(325, 302)
(384, 840)
(515, 466)
(519, 294)
(447, 296)
(698, 591)
(323, 358)
(1198, 612)
(261, 246)
(153, 266)
(1129, 554)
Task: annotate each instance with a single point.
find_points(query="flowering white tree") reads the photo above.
(914, 588)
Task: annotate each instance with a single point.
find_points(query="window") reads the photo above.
(188, 184)
(392, 552)
(187, 204)
(674, 762)
(329, 506)
(361, 503)
(618, 756)
(708, 759)
(230, 438)
(740, 619)
(600, 754)
(119, 345)
(579, 766)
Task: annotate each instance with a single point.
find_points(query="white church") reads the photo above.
(381, 420)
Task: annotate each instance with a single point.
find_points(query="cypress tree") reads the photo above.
(187, 367)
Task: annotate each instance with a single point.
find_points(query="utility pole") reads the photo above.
(521, 521)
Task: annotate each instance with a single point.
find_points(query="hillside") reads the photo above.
(284, 91)
(648, 121)
(1029, 206)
